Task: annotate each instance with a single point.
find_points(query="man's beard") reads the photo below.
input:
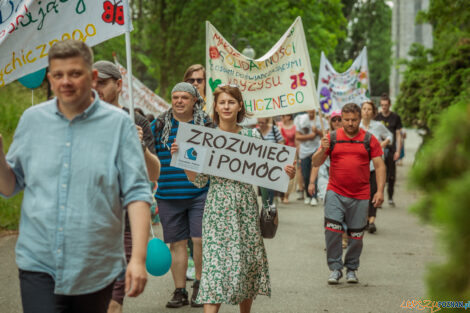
(351, 131)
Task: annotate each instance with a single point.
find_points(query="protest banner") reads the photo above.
(336, 89)
(29, 28)
(144, 98)
(280, 82)
(233, 156)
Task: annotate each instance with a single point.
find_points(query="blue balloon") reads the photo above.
(33, 80)
(158, 261)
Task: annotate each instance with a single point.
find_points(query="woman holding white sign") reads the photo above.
(235, 265)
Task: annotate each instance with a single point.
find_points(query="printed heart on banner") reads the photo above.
(214, 83)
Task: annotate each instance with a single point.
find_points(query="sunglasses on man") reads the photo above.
(192, 80)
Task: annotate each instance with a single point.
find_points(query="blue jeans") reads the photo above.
(305, 168)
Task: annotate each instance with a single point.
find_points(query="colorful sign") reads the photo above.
(336, 89)
(28, 29)
(233, 156)
(144, 98)
(280, 82)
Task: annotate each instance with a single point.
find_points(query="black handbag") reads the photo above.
(268, 218)
(268, 221)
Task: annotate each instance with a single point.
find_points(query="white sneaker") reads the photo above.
(307, 200)
(313, 202)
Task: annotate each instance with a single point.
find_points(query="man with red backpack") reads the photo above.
(347, 199)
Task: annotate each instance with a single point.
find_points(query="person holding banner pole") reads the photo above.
(80, 162)
(308, 134)
(350, 149)
(180, 203)
(109, 86)
(235, 266)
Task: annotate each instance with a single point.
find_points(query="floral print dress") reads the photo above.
(234, 262)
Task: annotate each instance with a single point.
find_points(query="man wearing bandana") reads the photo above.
(180, 203)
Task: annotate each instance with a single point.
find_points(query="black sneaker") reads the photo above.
(194, 295)
(372, 228)
(180, 298)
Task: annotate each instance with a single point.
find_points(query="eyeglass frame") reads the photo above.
(192, 80)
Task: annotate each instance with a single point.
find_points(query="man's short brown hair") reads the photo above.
(70, 49)
(385, 97)
(234, 92)
(351, 108)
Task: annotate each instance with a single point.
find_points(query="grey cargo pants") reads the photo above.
(341, 210)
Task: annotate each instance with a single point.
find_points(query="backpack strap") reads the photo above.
(332, 141)
(367, 138)
(366, 142)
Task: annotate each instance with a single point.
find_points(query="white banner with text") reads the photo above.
(280, 82)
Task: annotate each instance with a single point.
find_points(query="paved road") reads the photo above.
(392, 269)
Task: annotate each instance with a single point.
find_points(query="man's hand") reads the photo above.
(396, 155)
(378, 199)
(325, 142)
(136, 278)
(140, 132)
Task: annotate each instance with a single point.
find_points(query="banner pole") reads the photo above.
(129, 59)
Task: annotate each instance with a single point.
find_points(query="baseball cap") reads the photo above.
(335, 113)
(107, 69)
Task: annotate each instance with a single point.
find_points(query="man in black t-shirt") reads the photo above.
(392, 152)
(109, 86)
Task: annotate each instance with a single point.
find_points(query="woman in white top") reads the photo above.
(384, 136)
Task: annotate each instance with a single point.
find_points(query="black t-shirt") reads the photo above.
(393, 123)
(145, 125)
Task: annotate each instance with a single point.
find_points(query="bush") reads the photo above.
(14, 99)
(442, 170)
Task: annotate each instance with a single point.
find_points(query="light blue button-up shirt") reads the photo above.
(77, 176)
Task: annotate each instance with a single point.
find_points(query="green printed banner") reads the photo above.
(280, 82)
(28, 29)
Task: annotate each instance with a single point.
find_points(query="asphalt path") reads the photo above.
(393, 263)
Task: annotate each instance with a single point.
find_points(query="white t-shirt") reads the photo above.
(303, 124)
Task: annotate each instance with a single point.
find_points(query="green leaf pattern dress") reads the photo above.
(234, 261)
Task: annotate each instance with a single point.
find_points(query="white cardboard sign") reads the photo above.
(233, 156)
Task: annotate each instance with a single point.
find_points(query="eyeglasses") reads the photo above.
(192, 80)
(230, 85)
(336, 119)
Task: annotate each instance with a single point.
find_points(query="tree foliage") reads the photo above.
(369, 25)
(169, 35)
(435, 95)
(436, 78)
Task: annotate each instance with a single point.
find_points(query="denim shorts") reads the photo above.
(181, 218)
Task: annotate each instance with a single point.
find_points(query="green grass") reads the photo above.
(14, 99)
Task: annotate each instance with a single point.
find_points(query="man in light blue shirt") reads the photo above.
(80, 162)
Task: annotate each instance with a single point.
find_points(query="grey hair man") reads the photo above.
(180, 203)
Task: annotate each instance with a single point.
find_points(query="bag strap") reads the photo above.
(366, 142)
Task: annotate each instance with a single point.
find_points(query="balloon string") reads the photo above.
(151, 229)
(32, 97)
